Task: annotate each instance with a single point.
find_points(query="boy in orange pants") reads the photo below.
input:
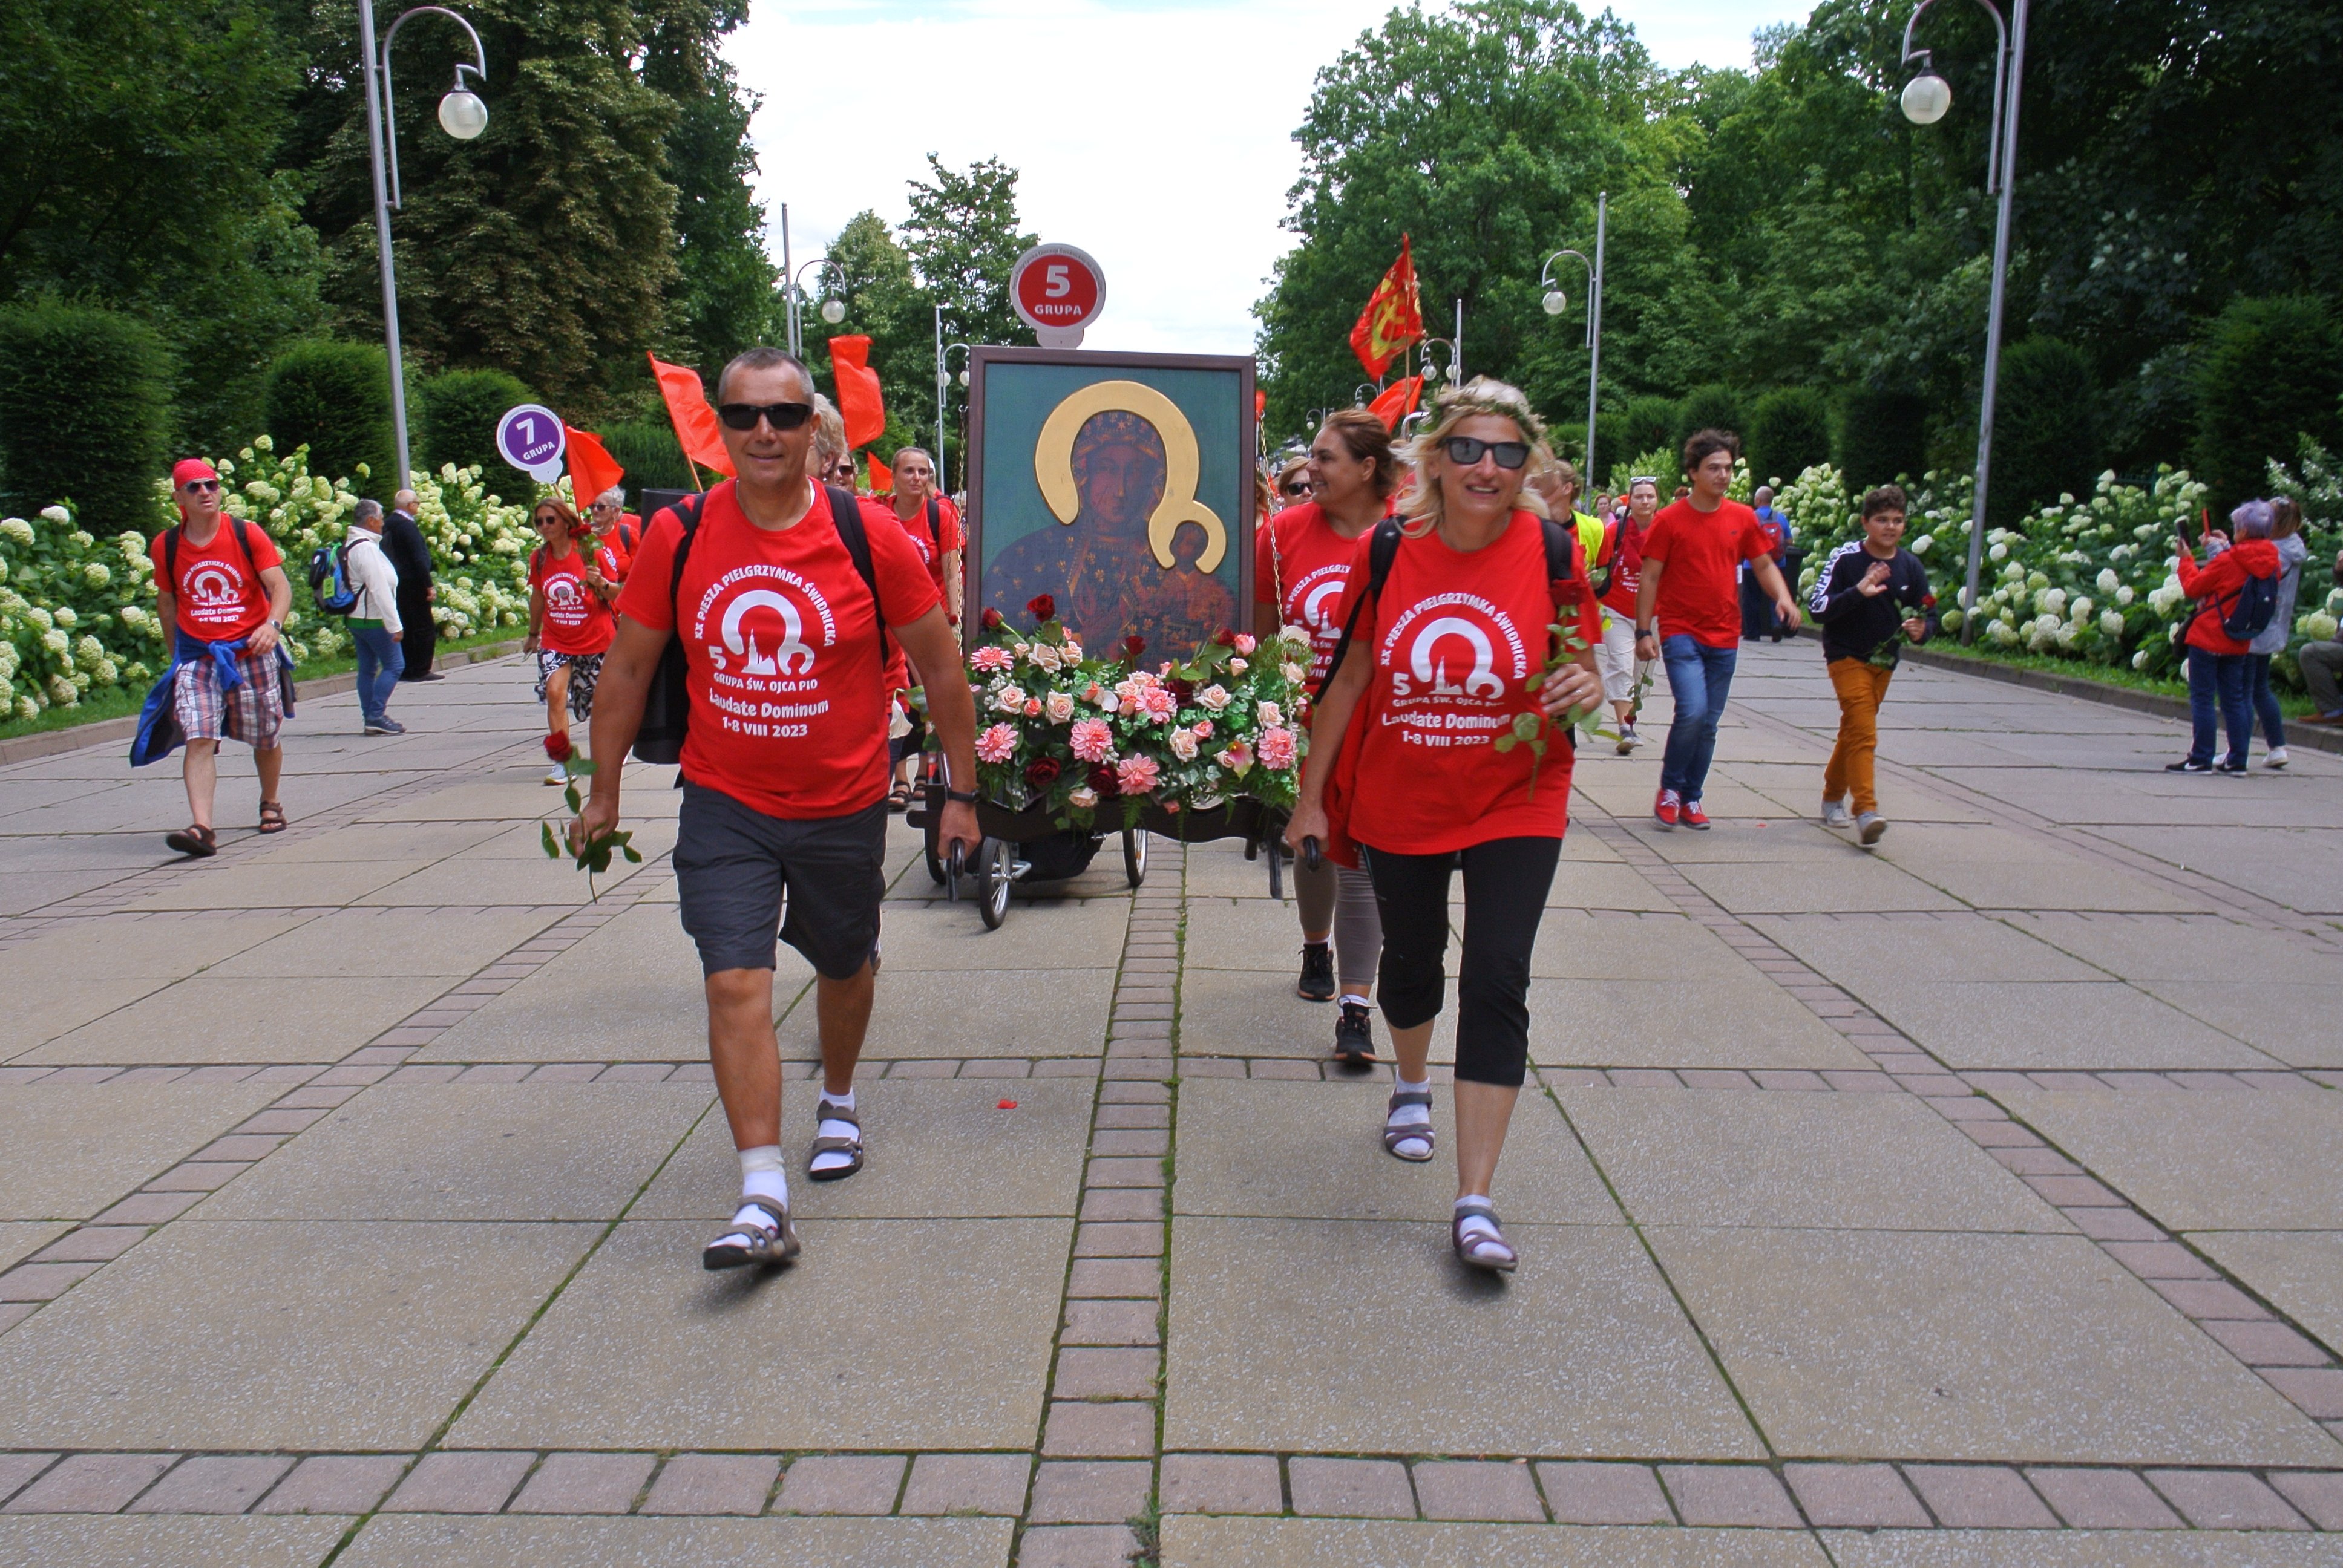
(1871, 596)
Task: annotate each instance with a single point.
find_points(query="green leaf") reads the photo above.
(552, 849)
(573, 800)
(1505, 742)
(1529, 726)
(634, 855)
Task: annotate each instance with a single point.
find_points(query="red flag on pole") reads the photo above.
(592, 470)
(696, 429)
(882, 478)
(858, 402)
(1397, 401)
(1394, 317)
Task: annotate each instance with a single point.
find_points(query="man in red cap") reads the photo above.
(221, 586)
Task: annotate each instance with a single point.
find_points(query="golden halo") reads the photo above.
(1053, 465)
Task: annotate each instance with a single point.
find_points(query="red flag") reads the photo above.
(592, 470)
(687, 410)
(1394, 317)
(858, 402)
(882, 478)
(1397, 401)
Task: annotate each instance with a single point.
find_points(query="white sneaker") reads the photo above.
(1629, 740)
(2275, 759)
(556, 774)
(1835, 815)
(1869, 827)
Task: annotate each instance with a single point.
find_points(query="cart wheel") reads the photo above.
(992, 902)
(1134, 855)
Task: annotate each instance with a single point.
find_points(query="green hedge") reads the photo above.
(2269, 372)
(1789, 432)
(1883, 436)
(1645, 424)
(2046, 429)
(335, 399)
(1710, 407)
(457, 413)
(647, 450)
(85, 414)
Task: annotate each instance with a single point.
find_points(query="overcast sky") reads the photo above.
(1157, 136)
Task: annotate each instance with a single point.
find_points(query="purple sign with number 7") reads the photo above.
(530, 437)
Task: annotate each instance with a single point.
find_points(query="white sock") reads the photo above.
(1476, 1225)
(829, 1128)
(763, 1176)
(1350, 996)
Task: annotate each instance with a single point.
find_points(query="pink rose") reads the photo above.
(997, 744)
(1201, 729)
(1137, 774)
(1032, 708)
(1245, 643)
(1277, 748)
(1183, 746)
(1092, 738)
(1158, 704)
(1060, 706)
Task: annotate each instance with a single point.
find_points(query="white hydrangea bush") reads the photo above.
(77, 613)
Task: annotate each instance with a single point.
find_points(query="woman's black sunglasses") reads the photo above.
(780, 416)
(1299, 487)
(1465, 451)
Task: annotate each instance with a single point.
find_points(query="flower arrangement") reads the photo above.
(1063, 731)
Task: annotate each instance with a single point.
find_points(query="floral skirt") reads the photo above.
(585, 668)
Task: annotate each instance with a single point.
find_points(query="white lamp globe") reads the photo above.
(1554, 302)
(833, 311)
(1926, 98)
(963, 378)
(462, 114)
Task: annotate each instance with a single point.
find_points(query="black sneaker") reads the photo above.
(1317, 981)
(2188, 765)
(2232, 763)
(1354, 1037)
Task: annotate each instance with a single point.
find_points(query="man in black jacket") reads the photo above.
(410, 556)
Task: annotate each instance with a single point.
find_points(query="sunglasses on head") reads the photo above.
(1465, 450)
(1651, 479)
(779, 416)
(201, 486)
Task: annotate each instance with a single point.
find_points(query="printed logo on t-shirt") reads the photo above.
(215, 593)
(565, 599)
(1451, 658)
(755, 622)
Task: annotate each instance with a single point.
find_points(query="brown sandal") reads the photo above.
(271, 816)
(195, 841)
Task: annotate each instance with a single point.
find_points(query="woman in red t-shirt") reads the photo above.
(1302, 561)
(571, 581)
(1444, 660)
(1621, 570)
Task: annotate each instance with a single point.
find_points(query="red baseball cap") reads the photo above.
(187, 468)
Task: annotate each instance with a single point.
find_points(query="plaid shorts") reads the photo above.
(253, 713)
(585, 668)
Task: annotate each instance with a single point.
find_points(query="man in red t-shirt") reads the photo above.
(784, 764)
(221, 587)
(1688, 613)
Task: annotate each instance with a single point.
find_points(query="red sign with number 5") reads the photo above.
(1057, 290)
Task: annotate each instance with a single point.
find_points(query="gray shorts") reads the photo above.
(736, 869)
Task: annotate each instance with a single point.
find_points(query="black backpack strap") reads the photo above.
(847, 514)
(1559, 539)
(687, 512)
(936, 526)
(1382, 548)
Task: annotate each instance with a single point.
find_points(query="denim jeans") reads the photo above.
(2217, 688)
(1699, 679)
(380, 666)
(2264, 700)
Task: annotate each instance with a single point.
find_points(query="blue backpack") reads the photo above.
(329, 580)
(2250, 612)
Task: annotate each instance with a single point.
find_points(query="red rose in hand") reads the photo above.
(1041, 607)
(557, 747)
(1103, 780)
(1043, 772)
(993, 620)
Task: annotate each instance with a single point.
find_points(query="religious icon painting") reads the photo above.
(1120, 485)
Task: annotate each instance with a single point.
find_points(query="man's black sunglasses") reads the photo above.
(780, 416)
(1465, 451)
(201, 486)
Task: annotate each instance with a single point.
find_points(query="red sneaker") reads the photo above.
(1693, 817)
(1664, 809)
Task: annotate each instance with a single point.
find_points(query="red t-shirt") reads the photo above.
(1626, 562)
(577, 620)
(622, 541)
(1299, 554)
(878, 516)
(948, 528)
(1700, 590)
(781, 643)
(219, 594)
(1459, 643)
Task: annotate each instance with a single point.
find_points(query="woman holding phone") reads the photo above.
(2235, 593)
(1445, 652)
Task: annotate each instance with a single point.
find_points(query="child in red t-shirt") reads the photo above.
(1450, 655)
(1688, 613)
(571, 581)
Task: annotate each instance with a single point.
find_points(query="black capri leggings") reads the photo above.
(1505, 884)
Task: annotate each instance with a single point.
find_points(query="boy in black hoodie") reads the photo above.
(1872, 595)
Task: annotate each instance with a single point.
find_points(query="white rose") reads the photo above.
(1238, 667)
(1184, 744)
(1009, 699)
(1292, 673)
(1059, 707)
(1214, 697)
(1269, 713)
(1084, 798)
(1046, 657)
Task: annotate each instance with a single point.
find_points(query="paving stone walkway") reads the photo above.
(1976, 1201)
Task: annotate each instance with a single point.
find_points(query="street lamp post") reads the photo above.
(943, 386)
(1925, 99)
(1555, 303)
(463, 116)
(1432, 370)
(833, 309)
